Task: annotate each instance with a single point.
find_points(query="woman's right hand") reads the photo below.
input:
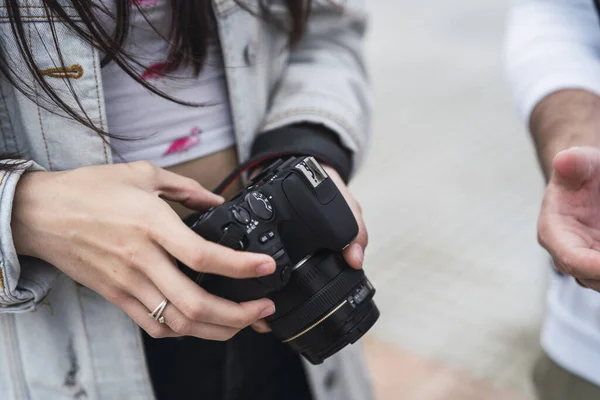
(108, 228)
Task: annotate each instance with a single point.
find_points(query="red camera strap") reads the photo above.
(247, 165)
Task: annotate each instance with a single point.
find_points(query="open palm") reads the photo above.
(569, 222)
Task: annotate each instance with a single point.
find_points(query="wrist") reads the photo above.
(562, 120)
(26, 203)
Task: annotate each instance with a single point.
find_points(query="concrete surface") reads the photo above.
(450, 193)
(399, 374)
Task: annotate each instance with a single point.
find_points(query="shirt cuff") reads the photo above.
(305, 139)
(21, 289)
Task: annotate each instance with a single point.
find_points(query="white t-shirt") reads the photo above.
(554, 45)
(164, 132)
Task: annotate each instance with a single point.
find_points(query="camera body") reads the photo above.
(289, 211)
(294, 212)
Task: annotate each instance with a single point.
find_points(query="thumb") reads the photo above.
(574, 167)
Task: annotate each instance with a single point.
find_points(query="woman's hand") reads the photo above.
(108, 228)
(569, 222)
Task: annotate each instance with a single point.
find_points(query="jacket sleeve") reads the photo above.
(551, 45)
(20, 289)
(325, 85)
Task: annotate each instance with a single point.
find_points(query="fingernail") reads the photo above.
(265, 269)
(358, 252)
(267, 311)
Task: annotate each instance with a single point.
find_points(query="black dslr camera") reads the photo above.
(294, 212)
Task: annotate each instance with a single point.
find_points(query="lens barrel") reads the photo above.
(326, 306)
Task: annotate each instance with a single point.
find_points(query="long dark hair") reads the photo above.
(191, 27)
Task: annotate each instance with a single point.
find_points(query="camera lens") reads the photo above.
(326, 306)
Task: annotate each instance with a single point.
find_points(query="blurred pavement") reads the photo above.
(450, 192)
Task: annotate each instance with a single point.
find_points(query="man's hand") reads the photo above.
(569, 222)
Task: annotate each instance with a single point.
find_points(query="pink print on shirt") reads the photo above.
(144, 3)
(154, 71)
(185, 143)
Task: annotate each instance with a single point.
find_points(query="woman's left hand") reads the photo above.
(355, 253)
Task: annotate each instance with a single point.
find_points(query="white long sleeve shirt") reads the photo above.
(553, 45)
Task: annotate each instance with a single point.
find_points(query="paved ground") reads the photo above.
(450, 192)
(402, 375)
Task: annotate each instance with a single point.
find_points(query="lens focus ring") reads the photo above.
(318, 305)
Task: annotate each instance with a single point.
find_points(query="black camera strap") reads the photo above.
(246, 166)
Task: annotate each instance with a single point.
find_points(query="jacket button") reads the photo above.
(330, 380)
(250, 52)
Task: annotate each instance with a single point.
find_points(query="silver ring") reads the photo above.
(157, 313)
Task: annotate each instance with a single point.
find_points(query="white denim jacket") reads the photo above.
(59, 340)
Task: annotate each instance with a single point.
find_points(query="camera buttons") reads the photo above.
(241, 215)
(260, 205)
(265, 237)
(278, 254)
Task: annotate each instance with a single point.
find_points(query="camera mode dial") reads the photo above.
(260, 205)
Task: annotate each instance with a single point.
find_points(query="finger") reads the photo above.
(136, 310)
(199, 305)
(174, 187)
(179, 325)
(220, 311)
(575, 166)
(205, 256)
(580, 263)
(568, 255)
(186, 191)
(355, 253)
(139, 314)
(261, 326)
(581, 283)
(589, 284)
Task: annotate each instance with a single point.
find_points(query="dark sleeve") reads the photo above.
(305, 139)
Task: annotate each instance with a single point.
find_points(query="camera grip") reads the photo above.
(332, 223)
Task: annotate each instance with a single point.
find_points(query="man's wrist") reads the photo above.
(562, 120)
